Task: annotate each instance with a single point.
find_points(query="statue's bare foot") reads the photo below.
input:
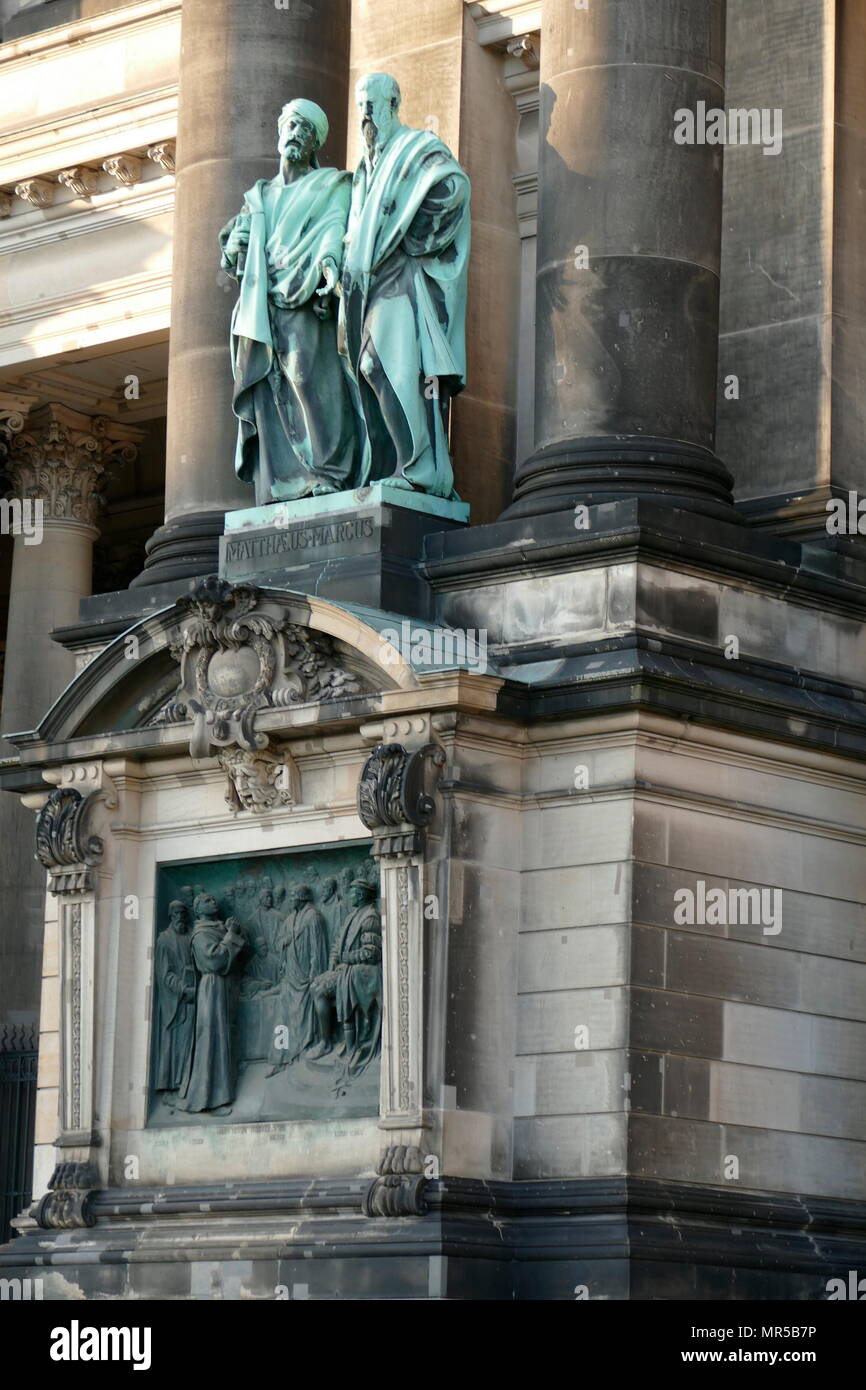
(322, 490)
(399, 481)
(221, 1110)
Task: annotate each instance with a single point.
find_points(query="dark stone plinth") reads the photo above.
(618, 1238)
(369, 556)
(533, 584)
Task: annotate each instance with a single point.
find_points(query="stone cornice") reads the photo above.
(140, 304)
(40, 45)
(118, 154)
(136, 121)
(498, 22)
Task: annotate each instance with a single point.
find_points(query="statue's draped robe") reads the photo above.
(174, 1014)
(358, 988)
(403, 306)
(295, 421)
(209, 1079)
(304, 956)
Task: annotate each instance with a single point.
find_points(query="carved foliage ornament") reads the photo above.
(62, 844)
(61, 458)
(239, 654)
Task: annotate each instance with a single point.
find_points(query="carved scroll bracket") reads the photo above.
(399, 1189)
(393, 797)
(68, 1202)
(64, 845)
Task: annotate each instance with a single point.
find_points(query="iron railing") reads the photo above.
(18, 1057)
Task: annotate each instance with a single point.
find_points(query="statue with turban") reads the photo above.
(296, 432)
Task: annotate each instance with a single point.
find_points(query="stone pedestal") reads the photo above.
(362, 547)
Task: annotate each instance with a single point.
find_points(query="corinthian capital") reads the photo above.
(14, 407)
(62, 457)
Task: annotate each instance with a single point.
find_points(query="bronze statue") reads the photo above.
(175, 999)
(296, 430)
(303, 956)
(209, 1080)
(351, 989)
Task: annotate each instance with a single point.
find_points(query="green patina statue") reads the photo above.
(403, 294)
(392, 245)
(296, 431)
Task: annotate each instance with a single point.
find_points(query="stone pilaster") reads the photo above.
(629, 229)
(393, 803)
(68, 847)
(240, 64)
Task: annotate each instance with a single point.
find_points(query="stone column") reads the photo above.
(240, 63)
(629, 230)
(55, 467)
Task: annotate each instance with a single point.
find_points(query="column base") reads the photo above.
(609, 468)
(186, 547)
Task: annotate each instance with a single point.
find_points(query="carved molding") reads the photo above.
(63, 845)
(61, 458)
(77, 930)
(124, 169)
(83, 179)
(163, 155)
(38, 192)
(80, 180)
(239, 654)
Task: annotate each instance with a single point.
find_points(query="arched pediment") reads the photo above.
(226, 652)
